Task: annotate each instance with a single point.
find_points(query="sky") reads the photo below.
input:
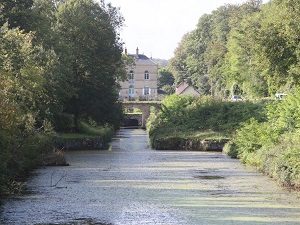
(156, 26)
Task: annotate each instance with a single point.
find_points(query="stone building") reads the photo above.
(142, 79)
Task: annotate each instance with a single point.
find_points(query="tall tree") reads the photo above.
(166, 80)
(16, 13)
(89, 32)
(165, 77)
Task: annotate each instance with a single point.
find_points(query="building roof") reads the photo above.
(184, 88)
(143, 59)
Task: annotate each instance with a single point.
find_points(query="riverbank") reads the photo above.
(191, 144)
(133, 184)
(264, 135)
(39, 148)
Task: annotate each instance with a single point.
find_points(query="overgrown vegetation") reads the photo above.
(262, 134)
(206, 117)
(23, 147)
(272, 146)
(59, 66)
(105, 133)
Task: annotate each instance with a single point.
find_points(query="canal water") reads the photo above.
(131, 184)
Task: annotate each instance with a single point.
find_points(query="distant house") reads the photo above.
(142, 82)
(185, 89)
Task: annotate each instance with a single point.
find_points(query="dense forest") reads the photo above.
(251, 49)
(59, 65)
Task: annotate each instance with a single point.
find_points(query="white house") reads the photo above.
(142, 82)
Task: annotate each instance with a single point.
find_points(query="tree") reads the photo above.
(24, 104)
(16, 13)
(89, 33)
(165, 77)
(25, 65)
(166, 80)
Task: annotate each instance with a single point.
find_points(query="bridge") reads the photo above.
(144, 106)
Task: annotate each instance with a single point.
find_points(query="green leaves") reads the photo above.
(273, 146)
(64, 64)
(185, 113)
(253, 46)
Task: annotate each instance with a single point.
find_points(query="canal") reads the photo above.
(131, 184)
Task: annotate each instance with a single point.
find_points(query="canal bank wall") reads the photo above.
(81, 144)
(194, 144)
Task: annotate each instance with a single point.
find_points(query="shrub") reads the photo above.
(22, 149)
(273, 146)
(181, 114)
(231, 149)
(282, 160)
(104, 132)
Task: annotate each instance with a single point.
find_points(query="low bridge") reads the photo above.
(144, 106)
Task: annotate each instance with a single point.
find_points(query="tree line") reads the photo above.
(59, 65)
(250, 49)
(62, 59)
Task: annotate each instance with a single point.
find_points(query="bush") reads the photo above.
(64, 122)
(273, 146)
(22, 150)
(181, 114)
(104, 132)
(231, 149)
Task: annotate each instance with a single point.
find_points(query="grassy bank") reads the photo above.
(262, 134)
(105, 133)
(22, 152)
(273, 146)
(201, 118)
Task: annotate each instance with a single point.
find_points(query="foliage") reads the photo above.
(182, 114)
(169, 89)
(90, 130)
(251, 49)
(272, 146)
(89, 32)
(22, 151)
(16, 13)
(59, 64)
(165, 77)
(160, 62)
(105, 132)
(25, 133)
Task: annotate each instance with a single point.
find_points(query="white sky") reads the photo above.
(157, 26)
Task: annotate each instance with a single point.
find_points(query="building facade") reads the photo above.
(142, 79)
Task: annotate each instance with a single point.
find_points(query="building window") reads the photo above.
(131, 90)
(131, 75)
(146, 90)
(146, 75)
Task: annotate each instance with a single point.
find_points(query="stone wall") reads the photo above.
(188, 144)
(82, 144)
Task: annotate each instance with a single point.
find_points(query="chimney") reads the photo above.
(125, 51)
(137, 52)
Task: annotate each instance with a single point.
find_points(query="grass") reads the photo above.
(76, 135)
(208, 135)
(192, 134)
(88, 131)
